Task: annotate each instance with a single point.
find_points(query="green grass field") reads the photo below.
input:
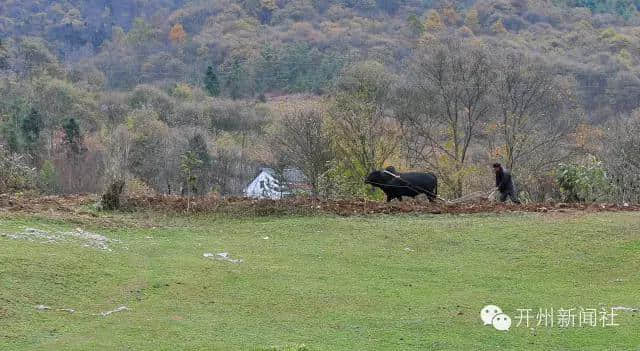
(321, 283)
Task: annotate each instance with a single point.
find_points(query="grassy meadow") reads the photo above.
(319, 283)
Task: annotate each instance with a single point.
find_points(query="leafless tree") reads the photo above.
(301, 140)
(535, 112)
(621, 155)
(364, 134)
(443, 107)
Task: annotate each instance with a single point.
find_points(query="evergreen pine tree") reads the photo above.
(201, 170)
(211, 82)
(234, 80)
(31, 127)
(72, 135)
(4, 56)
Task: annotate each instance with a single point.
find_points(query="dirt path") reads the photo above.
(79, 205)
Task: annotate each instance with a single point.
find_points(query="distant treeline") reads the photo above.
(174, 95)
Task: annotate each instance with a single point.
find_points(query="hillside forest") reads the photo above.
(176, 96)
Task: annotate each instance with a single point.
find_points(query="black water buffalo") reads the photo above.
(405, 184)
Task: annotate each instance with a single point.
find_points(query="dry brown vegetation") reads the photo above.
(77, 206)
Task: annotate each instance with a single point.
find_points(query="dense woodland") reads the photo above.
(178, 96)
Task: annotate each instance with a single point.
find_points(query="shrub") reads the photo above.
(341, 183)
(15, 173)
(48, 178)
(111, 198)
(586, 182)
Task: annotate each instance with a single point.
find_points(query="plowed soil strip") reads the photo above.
(297, 206)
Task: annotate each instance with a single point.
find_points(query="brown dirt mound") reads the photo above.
(293, 206)
(34, 204)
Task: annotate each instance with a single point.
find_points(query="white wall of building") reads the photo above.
(265, 186)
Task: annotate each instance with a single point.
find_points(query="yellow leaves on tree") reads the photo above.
(615, 40)
(471, 20)
(182, 91)
(450, 16)
(457, 173)
(177, 34)
(588, 138)
(269, 5)
(498, 152)
(498, 27)
(434, 22)
(625, 58)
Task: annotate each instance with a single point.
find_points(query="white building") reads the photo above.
(264, 186)
(267, 186)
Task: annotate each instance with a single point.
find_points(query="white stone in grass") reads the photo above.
(223, 256)
(93, 240)
(119, 309)
(87, 239)
(42, 308)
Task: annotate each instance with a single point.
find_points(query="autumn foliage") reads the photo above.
(177, 34)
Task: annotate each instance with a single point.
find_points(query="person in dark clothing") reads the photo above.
(504, 183)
